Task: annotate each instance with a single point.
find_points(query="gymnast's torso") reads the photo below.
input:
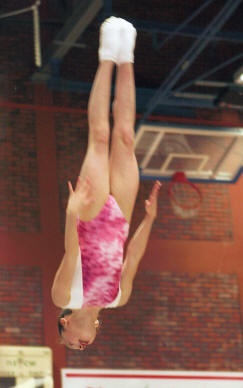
(96, 281)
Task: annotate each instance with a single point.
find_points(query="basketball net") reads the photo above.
(185, 197)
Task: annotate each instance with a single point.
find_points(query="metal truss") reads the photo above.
(164, 94)
(36, 26)
(83, 14)
(168, 95)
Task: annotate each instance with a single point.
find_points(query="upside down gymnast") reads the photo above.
(93, 275)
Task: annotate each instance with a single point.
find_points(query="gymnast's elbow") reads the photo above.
(60, 297)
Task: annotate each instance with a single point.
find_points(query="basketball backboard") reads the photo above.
(211, 154)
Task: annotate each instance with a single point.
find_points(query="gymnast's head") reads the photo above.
(77, 328)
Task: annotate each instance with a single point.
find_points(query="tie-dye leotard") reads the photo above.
(97, 277)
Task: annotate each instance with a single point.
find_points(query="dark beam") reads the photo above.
(143, 95)
(190, 100)
(191, 54)
(81, 17)
(188, 31)
(147, 26)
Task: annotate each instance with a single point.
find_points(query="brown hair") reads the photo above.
(62, 315)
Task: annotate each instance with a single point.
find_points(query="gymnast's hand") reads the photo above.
(151, 204)
(81, 198)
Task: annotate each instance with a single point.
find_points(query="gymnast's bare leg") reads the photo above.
(124, 177)
(96, 162)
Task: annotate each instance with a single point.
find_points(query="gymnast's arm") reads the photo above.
(79, 202)
(137, 246)
(61, 288)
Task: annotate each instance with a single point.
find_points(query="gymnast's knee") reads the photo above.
(126, 134)
(100, 137)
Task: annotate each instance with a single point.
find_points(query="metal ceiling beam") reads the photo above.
(154, 28)
(187, 31)
(213, 84)
(200, 96)
(143, 95)
(189, 57)
(107, 8)
(209, 72)
(20, 11)
(185, 23)
(81, 17)
(192, 101)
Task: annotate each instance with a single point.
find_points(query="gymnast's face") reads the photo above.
(78, 335)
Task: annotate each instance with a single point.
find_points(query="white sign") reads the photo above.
(25, 361)
(105, 378)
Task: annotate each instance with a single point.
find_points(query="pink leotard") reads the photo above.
(101, 242)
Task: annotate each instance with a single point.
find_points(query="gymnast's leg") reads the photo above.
(96, 162)
(124, 176)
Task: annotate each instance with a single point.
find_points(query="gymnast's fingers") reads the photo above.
(155, 190)
(70, 187)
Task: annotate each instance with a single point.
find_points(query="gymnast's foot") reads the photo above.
(117, 41)
(109, 40)
(128, 36)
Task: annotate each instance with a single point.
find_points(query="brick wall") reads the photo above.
(172, 321)
(19, 197)
(71, 144)
(19, 205)
(21, 320)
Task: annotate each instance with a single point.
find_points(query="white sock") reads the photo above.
(128, 36)
(109, 40)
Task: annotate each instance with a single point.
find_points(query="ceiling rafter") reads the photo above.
(81, 17)
(169, 94)
(161, 95)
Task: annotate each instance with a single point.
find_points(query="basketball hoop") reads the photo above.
(185, 197)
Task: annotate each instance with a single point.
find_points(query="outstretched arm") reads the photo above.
(137, 245)
(79, 200)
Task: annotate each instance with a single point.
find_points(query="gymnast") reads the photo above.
(92, 275)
